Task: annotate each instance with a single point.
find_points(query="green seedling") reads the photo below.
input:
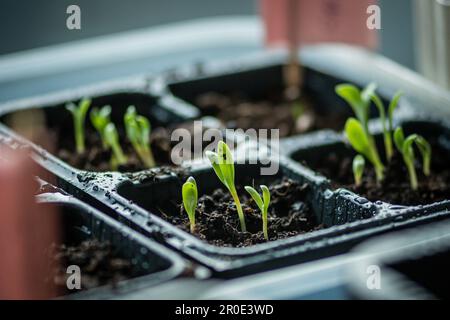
(298, 109)
(358, 100)
(79, 115)
(138, 132)
(262, 203)
(361, 143)
(100, 119)
(405, 146)
(387, 128)
(357, 130)
(112, 141)
(358, 168)
(392, 106)
(190, 199)
(223, 165)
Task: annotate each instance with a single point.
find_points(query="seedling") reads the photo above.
(138, 132)
(298, 109)
(361, 143)
(100, 119)
(387, 128)
(79, 116)
(405, 146)
(223, 165)
(392, 106)
(358, 100)
(358, 168)
(190, 199)
(112, 141)
(262, 203)
(357, 130)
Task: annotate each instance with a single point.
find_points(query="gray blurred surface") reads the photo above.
(397, 38)
(26, 24)
(138, 52)
(29, 24)
(78, 57)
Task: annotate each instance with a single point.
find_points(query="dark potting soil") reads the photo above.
(272, 112)
(217, 219)
(98, 261)
(95, 158)
(395, 189)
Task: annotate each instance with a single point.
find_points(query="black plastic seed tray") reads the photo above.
(151, 264)
(134, 198)
(260, 78)
(310, 152)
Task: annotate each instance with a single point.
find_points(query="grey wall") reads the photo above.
(397, 40)
(26, 24)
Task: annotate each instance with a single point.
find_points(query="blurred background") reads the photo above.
(39, 54)
(30, 24)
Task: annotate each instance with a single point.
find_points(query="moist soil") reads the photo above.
(95, 158)
(217, 219)
(395, 189)
(274, 111)
(98, 261)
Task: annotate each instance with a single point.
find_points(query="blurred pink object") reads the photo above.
(292, 23)
(25, 232)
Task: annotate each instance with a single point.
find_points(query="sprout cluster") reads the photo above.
(137, 129)
(359, 136)
(223, 165)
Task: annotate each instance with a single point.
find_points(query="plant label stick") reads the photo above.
(317, 21)
(292, 72)
(293, 23)
(26, 232)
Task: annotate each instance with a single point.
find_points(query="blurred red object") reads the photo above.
(25, 233)
(291, 23)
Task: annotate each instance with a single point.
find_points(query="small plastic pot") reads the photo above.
(49, 110)
(151, 263)
(257, 79)
(312, 154)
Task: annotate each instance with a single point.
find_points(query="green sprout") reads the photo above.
(112, 141)
(297, 109)
(358, 168)
(262, 203)
(190, 199)
(358, 100)
(357, 130)
(100, 119)
(361, 143)
(138, 132)
(392, 106)
(405, 146)
(387, 128)
(223, 165)
(79, 115)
